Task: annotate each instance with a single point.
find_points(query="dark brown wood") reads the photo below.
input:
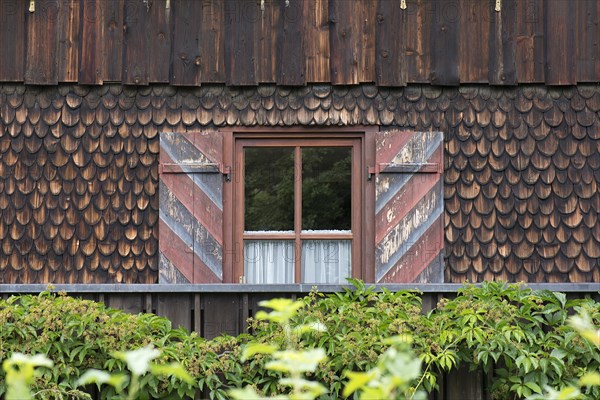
(12, 42)
(390, 48)
(268, 30)
(186, 57)
(561, 50)
(316, 40)
(41, 62)
(474, 35)
(418, 40)
(221, 315)
(445, 29)
(176, 307)
(213, 41)
(365, 24)
(530, 53)
(68, 40)
(587, 37)
(344, 42)
(112, 60)
(502, 45)
(159, 41)
(92, 34)
(241, 20)
(290, 50)
(136, 57)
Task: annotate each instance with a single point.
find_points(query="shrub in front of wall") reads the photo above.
(78, 335)
(519, 337)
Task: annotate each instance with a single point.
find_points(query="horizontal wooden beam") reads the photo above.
(591, 288)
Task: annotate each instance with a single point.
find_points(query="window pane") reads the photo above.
(326, 261)
(326, 188)
(269, 261)
(269, 188)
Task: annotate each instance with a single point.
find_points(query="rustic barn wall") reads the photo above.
(189, 42)
(79, 172)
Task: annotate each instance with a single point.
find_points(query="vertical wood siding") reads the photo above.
(192, 42)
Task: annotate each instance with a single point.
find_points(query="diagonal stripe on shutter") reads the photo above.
(409, 230)
(190, 208)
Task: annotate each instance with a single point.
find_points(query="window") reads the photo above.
(301, 205)
(298, 209)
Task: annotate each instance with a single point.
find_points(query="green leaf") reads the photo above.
(534, 387)
(590, 379)
(102, 377)
(357, 380)
(173, 369)
(257, 348)
(138, 361)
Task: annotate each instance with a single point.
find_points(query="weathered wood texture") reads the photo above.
(79, 171)
(241, 42)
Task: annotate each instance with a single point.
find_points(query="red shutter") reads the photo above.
(190, 208)
(409, 207)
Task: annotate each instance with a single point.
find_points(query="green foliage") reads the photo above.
(294, 363)
(139, 363)
(397, 368)
(79, 335)
(519, 337)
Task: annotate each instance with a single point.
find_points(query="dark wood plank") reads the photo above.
(92, 37)
(344, 42)
(212, 48)
(130, 303)
(418, 40)
(291, 67)
(474, 20)
(68, 40)
(561, 52)
(221, 315)
(112, 60)
(177, 308)
(135, 43)
(390, 59)
(464, 384)
(186, 59)
(365, 23)
(241, 20)
(445, 36)
(530, 41)
(588, 34)
(159, 41)
(268, 47)
(502, 45)
(316, 40)
(41, 66)
(12, 40)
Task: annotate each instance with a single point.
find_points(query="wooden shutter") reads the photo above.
(409, 207)
(191, 208)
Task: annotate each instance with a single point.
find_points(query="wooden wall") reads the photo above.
(192, 42)
(79, 171)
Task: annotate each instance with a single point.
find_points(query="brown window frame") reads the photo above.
(362, 141)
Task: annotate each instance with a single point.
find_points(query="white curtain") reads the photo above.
(269, 261)
(326, 261)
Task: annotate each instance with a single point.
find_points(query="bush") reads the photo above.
(78, 335)
(518, 336)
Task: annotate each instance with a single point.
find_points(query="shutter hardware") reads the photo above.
(195, 168)
(382, 168)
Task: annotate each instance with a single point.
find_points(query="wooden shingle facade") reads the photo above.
(89, 86)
